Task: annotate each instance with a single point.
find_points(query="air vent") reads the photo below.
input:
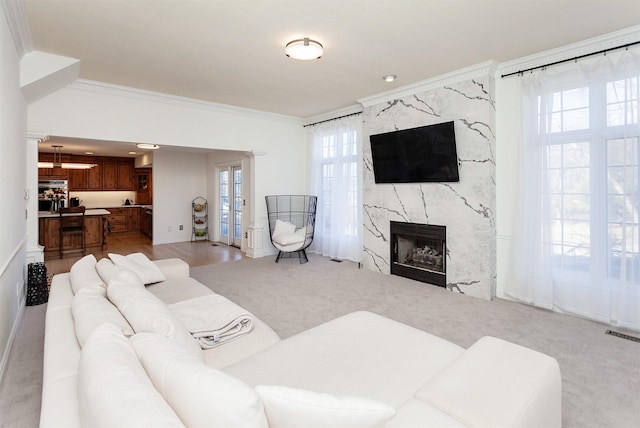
(622, 335)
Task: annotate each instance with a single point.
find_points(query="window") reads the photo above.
(340, 168)
(576, 235)
(336, 180)
(592, 171)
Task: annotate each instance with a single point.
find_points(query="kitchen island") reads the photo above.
(95, 235)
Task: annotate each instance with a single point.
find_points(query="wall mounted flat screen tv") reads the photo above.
(417, 155)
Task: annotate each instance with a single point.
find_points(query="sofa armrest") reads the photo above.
(173, 268)
(498, 383)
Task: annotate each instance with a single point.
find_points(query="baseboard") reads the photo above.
(12, 338)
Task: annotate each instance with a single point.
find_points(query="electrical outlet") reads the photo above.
(181, 227)
(170, 229)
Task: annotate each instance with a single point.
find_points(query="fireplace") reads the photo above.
(418, 251)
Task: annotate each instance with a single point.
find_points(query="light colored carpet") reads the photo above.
(601, 373)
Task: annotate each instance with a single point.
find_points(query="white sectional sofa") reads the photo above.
(137, 367)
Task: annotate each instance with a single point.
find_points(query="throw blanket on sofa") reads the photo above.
(213, 319)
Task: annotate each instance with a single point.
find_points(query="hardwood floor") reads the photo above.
(197, 253)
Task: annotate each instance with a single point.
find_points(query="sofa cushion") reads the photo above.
(290, 407)
(83, 273)
(140, 264)
(390, 362)
(201, 396)
(146, 313)
(107, 270)
(113, 388)
(525, 386)
(90, 308)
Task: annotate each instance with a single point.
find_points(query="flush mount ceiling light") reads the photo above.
(304, 49)
(147, 146)
(389, 78)
(57, 162)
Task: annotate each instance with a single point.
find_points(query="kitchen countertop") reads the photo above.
(94, 211)
(106, 207)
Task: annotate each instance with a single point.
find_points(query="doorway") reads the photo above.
(231, 203)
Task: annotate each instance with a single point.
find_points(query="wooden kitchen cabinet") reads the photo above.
(125, 219)
(118, 220)
(85, 179)
(117, 174)
(133, 216)
(146, 222)
(144, 195)
(94, 235)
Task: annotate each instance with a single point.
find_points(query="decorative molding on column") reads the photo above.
(18, 25)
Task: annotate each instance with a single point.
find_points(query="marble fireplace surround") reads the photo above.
(467, 207)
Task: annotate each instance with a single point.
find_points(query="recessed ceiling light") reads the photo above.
(304, 49)
(147, 146)
(389, 78)
(88, 153)
(133, 153)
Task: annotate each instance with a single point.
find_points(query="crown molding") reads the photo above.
(353, 109)
(461, 75)
(585, 47)
(158, 97)
(18, 26)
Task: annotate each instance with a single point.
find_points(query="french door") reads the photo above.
(231, 205)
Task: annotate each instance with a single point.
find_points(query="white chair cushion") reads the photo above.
(296, 237)
(83, 273)
(201, 396)
(140, 264)
(90, 308)
(113, 388)
(290, 407)
(281, 229)
(146, 313)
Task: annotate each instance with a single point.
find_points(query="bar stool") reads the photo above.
(72, 223)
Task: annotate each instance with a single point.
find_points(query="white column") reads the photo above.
(35, 252)
(256, 238)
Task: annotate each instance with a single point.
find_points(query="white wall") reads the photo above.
(178, 178)
(12, 172)
(97, 111)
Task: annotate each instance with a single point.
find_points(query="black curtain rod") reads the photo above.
(575, 58)
(329, 120)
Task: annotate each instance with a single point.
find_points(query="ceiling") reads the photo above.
(232, 52)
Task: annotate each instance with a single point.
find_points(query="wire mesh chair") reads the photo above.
(292, 221)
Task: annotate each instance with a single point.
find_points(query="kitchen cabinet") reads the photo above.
(94, 235)
(144, 194)
(53, 173)
(110, 173)
(133, 217)
(117, 174)
(85, 179)
(146, 222)
(118, 220)
(124, 219)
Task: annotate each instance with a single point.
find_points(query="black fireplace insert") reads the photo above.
(418, 251)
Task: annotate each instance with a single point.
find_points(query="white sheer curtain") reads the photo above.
(576, 243)
(337, 181)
